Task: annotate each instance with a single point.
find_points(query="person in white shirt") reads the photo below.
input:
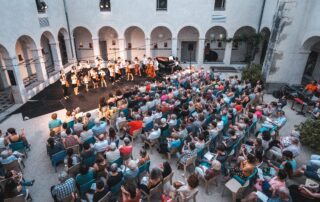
(156, 65)
(120, 119)
(173, 121)
(85, 134)
(102, 74)
(74, 82)
(113, 153)
(153, 135)
(148, 118)
(101, 145)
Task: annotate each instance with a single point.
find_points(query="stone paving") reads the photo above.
(38, 165)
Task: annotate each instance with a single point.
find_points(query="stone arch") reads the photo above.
(188, 39)
(215, 44)
(161, 41)
(135, 42)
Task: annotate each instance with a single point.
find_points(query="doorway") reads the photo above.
(188, 51)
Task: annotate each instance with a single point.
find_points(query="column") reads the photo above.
(227, 53)
(16, 81)
(174, 46)
(70, 51)
(200, 51)
(148, 47)
(122, 53)
(96, 49)
(56, 56)
(40, 65)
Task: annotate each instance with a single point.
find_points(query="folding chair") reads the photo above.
(18, 146)
(156, 190)
(58, 158)
(168, 178)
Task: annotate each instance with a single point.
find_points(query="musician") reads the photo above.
(75, 83)
(137, 66)
(130, 69)
(122, 66)
(117, 70)
(102, 78)
(144, 62)
(150, 69)
(112, 73)
(65, 85)
(86, 79)
(156, 65)
(95, 79)
(74, 69)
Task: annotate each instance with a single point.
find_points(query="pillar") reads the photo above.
(148, 47)
(174, 46)
(56, 56)
(96, 49)
(70, 51)
(122, 49)
(40, 65)
(17, 85)
(227, 53)
(200, 51)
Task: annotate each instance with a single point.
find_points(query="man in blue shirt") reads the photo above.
(99, 127)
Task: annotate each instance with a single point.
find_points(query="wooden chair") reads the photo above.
(156, 190)
(127, 156)
(74, 170)
(122, 124)
(57, 129)
(193, 197)
(190, 161)
(168, 178)
(207, 182)
(14, 165)
(171, 152)
(19, 198)
(68, 199)
(75, 148)
(151, 144)
(136, 133)
(19, 146)
(106, 197)
(58, 158)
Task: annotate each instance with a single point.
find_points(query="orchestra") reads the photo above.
(115, 70)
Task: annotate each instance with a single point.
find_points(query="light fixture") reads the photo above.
(160, 35)
(221, 36)
(111, 35)
(212, 35)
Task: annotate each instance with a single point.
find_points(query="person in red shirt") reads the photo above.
(238, 106)
(125, 149)
(135, 125)
(312, 87)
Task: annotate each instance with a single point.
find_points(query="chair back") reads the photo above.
(75, 148)
(89, 161)
(144, 167)
(119, 161)
(165, 133)
(156, 189)
(91, 140)
(17, 146)
(68, 199)
(106, 197)
(90, 125)
(192, 196)
(191, 160)
(14, 165)
(74, 170)
(122, 124)
(58, 157)
(70, 124)
(136, 133)
(168, 178)
(19, 198)
(84, 188)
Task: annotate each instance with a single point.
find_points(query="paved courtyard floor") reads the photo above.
(38, 165)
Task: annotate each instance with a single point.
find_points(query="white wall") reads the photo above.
(83, 36)
(136, 37)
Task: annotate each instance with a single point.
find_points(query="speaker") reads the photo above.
(190, 47)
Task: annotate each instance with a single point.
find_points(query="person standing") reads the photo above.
(102, 78)
(65, 85)
(137, 66)
(130, 69)
(74, 82)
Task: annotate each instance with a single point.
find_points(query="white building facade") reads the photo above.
(38, 40)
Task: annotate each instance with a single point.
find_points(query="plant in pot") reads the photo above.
(252, 73)
(310, 133)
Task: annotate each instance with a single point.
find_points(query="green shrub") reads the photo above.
(252, 73)
(310, 133)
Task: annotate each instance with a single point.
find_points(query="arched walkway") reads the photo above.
(312, 67)
(83, 44)
(242, 45)
(263, 46)
(108, 42)
(161, 43)
(29, 60)
(136, 43)
(5, 61)
(49, 51)
(215, 44)
(188, 38)
(63, 44)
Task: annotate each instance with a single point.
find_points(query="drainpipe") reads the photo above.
(68, 26)
(261, 15)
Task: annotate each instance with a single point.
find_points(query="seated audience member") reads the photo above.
(232, 140)
(188, 152)
(100, 166)
(152, 135)
(100, 192)
(305, 193)
(113, 153)
(7, 156)
(85, 175)
(144, 157)
(274, 184)
(65, 188)
(14, 137)
(101, 145)
(71, 158)
(130, 170)
(70, 140)
(134, 125)
(78, 126)
(287, 158)
(88, 120)
(246, 168)
(165, 168)
(315, 113)
(112, 137)
(114, 175)
(126, 149)
(186, 190)
(120, 119)
(3, 141)
(85, 134)
(99, 127)
(130, 193)
(151, 181)
(54, 122)
(87, 151)
(53, 147)
(208, 170)
(311, 87)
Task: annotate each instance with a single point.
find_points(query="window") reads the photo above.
(41, 6)
(220, 5)
(105, 5)
(162, 5)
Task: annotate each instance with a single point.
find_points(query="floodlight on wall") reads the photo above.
(41, 6)
(105, 5)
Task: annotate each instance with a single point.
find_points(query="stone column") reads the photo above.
(174, 46)
(40, 65)
(70, 51)
(122, 53)
(96, 49)
(227, 53)
(200, 51)
(18, 88)
(148, 47)
(56, 56)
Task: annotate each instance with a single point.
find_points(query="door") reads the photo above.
(188, 51)
(103, 49)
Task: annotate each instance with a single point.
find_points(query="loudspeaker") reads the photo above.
(190, 47)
